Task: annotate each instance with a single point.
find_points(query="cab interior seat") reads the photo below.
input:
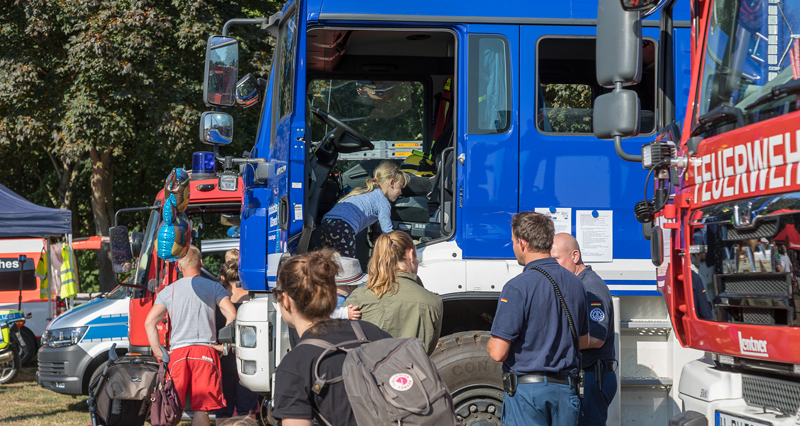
(379, 55)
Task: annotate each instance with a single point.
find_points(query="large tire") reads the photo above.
(474, 379)
(30, 344)
(9, 370)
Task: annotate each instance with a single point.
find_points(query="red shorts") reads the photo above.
(195, 370)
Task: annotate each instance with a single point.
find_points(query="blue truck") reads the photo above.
(490, 109)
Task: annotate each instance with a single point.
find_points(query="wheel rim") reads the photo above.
(479, 405)
(6, 370)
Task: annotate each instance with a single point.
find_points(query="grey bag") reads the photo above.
(123, 394)
(389, 382)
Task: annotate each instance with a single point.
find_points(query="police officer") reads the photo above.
(598, 351)
(531, 334)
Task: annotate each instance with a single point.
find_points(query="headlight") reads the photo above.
(248, 367)
(247, 336)
(61, 337)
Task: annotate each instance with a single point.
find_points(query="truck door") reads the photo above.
(285, 207)
(290, 116)
(563, 169)
(487, 187)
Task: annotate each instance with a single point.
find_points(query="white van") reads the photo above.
(75, 345)
(77, 342)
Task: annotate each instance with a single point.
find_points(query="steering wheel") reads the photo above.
(341, 132)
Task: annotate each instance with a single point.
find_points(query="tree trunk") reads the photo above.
(103, 212)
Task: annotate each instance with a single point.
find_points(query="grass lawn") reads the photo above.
(24, 403)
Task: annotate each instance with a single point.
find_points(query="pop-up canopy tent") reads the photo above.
(790, 234)
(21, 218)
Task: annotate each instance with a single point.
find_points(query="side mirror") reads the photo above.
(616, 114)
(222, 63)
(121, 257)
(619, 45)
(247, 92)
(216, 128)
(619, 63)
(227, 334)
(137, 240)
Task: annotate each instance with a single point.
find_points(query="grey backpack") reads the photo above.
(388, 382)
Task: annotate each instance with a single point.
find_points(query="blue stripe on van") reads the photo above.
(106, 333)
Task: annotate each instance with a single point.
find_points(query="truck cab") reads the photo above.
(490, 112)
(214, 215)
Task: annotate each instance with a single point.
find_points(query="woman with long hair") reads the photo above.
(361, 208)
(394, 298)
(306, 295)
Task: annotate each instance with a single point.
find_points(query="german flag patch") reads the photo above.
(504, 300)
(596, 304)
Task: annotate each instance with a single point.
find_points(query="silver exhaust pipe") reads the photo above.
(6, 357)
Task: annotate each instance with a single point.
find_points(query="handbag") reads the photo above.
(165, 404)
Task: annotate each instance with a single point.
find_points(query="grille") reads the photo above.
(763, 230)
(756, 286)
(758, 316)
(52, 368)
(763, 391)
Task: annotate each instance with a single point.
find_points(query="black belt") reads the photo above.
(546, 377)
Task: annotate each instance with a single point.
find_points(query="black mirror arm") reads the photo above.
(622, 154)
(132, 210)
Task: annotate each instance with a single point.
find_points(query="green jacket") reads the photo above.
(411, 312)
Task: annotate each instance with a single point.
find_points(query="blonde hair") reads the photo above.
(191, 260)
(390, 250)
(240, 421)
(385, 172)
(232, 254)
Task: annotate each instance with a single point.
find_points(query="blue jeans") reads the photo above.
(543, 404)
(595, 400)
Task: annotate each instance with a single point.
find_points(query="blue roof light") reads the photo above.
(204, 166)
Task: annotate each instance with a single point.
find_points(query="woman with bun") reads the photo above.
(306, 295)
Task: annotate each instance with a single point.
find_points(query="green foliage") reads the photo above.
(100, 98)
(569, 107)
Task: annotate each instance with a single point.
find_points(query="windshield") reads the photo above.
(147, 249)
(752, 47)
(119, 292)
(379, 110)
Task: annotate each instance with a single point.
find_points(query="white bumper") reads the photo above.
(708, 390)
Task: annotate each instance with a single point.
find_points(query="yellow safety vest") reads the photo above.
(41, 272)
(68, 288)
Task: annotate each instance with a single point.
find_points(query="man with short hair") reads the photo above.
(598, 352)
(194, 363)
(530, 332)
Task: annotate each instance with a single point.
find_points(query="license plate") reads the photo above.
(725, 419)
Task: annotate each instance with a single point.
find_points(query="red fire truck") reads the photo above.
(724, 208)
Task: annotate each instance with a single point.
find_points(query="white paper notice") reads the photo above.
(562, 218)
(595, 234)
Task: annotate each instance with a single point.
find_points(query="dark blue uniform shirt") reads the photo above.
(530, 315)
(601, 315)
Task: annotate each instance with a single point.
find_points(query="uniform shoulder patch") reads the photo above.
(597, 315)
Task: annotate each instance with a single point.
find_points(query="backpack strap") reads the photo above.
(575, 338)
(320, 383)
(359, 332)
